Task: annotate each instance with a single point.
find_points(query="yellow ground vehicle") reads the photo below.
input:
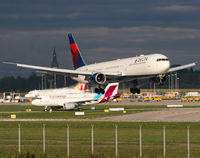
(184, 99)
(147, 99)
(157, 98)
(119, 99)
(190, 99)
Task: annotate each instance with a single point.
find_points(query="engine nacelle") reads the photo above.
(159, 79)
(98, 78)
(68, 106)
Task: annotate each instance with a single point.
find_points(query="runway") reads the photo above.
(162, 115)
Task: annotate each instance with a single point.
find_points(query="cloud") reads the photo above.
(95, 43)
(179, 8)
(104, 30)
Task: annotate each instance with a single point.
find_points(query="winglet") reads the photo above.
(110, 91)
(76, 55)
(9, 63)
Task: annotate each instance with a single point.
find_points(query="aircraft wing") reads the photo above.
(82, 102)
(62, 71)
(181, 67)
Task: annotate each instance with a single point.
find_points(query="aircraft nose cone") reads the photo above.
(35, 102)
(27, 96)
(167, 66)
(164, 67)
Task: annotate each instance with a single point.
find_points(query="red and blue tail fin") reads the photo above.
(76, 55)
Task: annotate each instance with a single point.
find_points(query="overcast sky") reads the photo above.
(104, 30)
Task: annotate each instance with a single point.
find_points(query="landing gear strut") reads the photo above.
(45, 108)
(135, 90)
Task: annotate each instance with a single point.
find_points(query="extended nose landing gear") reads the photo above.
(135, 90)
(45, 108)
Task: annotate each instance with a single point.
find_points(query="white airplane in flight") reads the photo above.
(70, 98)
(153, 66)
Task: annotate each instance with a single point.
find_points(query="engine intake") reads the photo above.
(98, 78)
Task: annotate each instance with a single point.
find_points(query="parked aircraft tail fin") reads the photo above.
(76, 55)
(110, 91)
(81, 86)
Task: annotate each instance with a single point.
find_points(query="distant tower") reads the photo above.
(54, 64)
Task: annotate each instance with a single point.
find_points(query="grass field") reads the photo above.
(38, 112)
(104, 139)
(104, 134)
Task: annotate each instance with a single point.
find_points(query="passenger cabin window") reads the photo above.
(162, 59)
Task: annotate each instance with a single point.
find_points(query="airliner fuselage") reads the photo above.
(153, 64)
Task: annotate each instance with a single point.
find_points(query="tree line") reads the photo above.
(187, 79)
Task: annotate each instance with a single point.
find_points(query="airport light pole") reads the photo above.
(54, 80)
(42, 82)
(154, 87)
(65, 80)
(123, 87)
(169, 83)
(178, 82)
(172, 83)
(150, 85)
(175, 77)
(45, 81)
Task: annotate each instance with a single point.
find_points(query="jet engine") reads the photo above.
(159, 79)
(68, 106)
(98, 78)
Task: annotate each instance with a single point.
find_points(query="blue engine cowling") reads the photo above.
(98, 78)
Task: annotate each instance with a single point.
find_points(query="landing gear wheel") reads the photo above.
(135, 90)
(96, 90)
(99, 90)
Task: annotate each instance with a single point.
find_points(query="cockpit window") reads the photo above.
(162, 59)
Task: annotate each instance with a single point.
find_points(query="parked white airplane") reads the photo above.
(153, 66)
(35, 93)
(70, 98)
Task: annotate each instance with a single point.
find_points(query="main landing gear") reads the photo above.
(99, 90)
(135, 90)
